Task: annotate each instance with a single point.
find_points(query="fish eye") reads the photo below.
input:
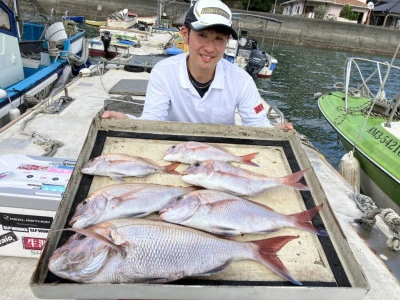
(81, 236)
(179, 198)
(84, 202)
(197, 164)
(173, 147)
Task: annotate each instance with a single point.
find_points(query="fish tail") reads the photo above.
(292, 180)
(267, 255)
(302, 219)
(246, 159)
(170, 169)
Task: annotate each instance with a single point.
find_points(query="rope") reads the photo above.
(392, 220)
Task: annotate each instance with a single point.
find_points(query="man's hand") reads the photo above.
(288, 126)
(114, 115)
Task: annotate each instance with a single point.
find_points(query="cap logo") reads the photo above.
(215, 11)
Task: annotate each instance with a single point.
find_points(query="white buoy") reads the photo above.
(14, 113)
(349, 168)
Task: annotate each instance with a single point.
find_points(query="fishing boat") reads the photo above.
(95, 23)
(365, 115)
(33, 58)
(77, 19)
(121, 19)
(341, 265)
(246, 51)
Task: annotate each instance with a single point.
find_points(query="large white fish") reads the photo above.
(124, 200)
(225, 214)
(118, 166)
(222, 176)
(142, 250)
(191, 152)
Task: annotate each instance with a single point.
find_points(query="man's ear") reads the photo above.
(185, 34)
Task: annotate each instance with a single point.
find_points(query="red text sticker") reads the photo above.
(259, 108)
(33, 243)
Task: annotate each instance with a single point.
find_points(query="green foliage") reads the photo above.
(348, 13)
(320, 11)
(258, 5)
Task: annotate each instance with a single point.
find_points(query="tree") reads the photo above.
(257, 5)
(348, 13)
(320, 11)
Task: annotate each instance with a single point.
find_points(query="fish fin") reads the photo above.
(246, 159)
(118, 178)
(170, 169)
(119, 248)
(292, 180)
(140, 214)
(215, 270)
(266, 254)
(185, 213)
(301, 221)
(219, 204)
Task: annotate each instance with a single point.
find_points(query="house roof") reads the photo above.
(352, 3)
(389, 7)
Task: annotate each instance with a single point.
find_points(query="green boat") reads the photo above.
(368, 124)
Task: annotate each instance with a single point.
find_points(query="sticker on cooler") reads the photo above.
(31, 243)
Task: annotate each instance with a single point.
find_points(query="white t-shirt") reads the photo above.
(170, 95)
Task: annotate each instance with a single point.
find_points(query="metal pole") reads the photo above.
(274, 8)
(248, 3)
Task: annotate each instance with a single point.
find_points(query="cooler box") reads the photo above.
(31, 188)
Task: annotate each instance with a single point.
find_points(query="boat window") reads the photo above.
(4, 20)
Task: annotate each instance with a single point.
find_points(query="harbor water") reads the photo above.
(301, 73)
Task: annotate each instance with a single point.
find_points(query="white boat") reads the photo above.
(33, 62)
(247, 53)
(121, 19)
(359, 272)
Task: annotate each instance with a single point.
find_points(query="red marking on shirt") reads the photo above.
(259, 108)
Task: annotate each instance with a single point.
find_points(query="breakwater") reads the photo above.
(294, 30)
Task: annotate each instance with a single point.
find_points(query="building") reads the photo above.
(387, 13)
(333, 7)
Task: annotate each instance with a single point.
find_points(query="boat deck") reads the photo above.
(71, 126)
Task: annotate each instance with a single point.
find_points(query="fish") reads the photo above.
(222, 176)
(191, 152)
(117, 166)
(151, 251)
(226, 214)
(124, 200)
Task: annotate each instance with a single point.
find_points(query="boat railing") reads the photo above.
(274, 111)
(381, 72)
(393, 112)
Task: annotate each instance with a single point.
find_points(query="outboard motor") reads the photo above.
(106, 39)
(257, 60)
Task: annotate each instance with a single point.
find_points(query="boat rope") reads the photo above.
(368, 220)
(50, 145)
(392, 220)
(80, 60)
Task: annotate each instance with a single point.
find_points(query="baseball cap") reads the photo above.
(210, 13)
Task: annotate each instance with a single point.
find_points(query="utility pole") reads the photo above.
(248, 3)
(274, 7)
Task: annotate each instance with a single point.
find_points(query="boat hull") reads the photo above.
(377, 149)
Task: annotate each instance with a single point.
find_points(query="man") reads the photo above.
(201, 86)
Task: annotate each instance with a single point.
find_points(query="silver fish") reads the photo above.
(225, 214)
(222, 176)
(118, 166)
(191, 152)
(124, 200)
(149, 251)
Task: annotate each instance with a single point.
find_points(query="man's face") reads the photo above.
(206, 48)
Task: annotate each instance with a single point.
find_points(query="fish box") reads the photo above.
(325, 265)
(31, 188)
